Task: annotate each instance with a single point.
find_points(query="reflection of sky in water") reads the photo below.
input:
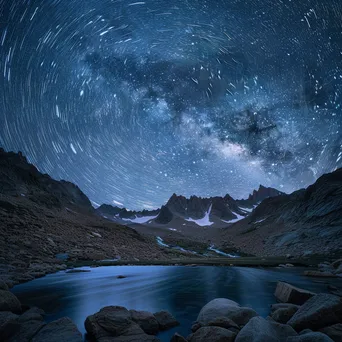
(181, 290)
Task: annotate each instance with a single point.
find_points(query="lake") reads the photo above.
(181, 290)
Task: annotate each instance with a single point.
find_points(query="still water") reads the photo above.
(181, 290)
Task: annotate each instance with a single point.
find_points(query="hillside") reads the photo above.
(308, 221)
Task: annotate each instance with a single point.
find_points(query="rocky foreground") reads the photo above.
(299, 316)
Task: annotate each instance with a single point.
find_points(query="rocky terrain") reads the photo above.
(299, 316)
(308, 221)
(47, 223)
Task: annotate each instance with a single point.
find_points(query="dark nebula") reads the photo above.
(134, 101)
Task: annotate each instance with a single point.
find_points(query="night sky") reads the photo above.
(136, 100)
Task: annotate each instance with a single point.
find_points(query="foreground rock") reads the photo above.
(284, 315)
(116, 323)
(165, 320)
(222, 307)
(61, 330)
(213, 334)
(310, 337)
(259, 329)
(334, 332)
(318, 312)
(30, 326)
(287, 293)
(146, 320)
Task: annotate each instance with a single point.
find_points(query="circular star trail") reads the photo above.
(134, 100)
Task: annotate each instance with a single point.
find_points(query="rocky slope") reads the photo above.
(45, 222)
(308, 221)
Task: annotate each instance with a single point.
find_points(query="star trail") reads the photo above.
(136, 100)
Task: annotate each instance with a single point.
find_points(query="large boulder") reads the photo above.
(115, 323)
(212, 334)
(334, 332)
(318, 312)
(26, 331)
(32, 314)
(222, 307)
(9, 302)
(165, 320)
(109, 321)
(225, 323)
(284, 315)
(61, 330)
(310, 337)
(287, 293)
(146, 320)
(259, 329)
(133, 334)
(275, 307)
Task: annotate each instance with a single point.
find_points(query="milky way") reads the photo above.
(133, 101)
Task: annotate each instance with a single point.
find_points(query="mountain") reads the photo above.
(258, 196)
(19, 178)
(45, 221)
(306, 221)
(216, 212)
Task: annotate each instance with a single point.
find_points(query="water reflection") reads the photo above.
(181, 290)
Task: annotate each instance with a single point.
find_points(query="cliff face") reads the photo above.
(307, 220)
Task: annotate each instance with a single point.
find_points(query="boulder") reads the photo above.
(165, 320)
(334, 332)
(310, 337)
(284, 315)
(324, 274)
(222, 307)
(9, 302)
(177, 338)
(133, 334)
(287, 293)
(115, 323)
(259, 329)
(318, 312)
(275, 307)
(61, 330)
(33, 314)
(212, 334)
(8, 324)
(146, 320)
(109, 321)
(223, 322)
(26, 331)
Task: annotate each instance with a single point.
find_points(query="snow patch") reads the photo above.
(142, 219)
(248, 210)
(203, 222)
(239, 217)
